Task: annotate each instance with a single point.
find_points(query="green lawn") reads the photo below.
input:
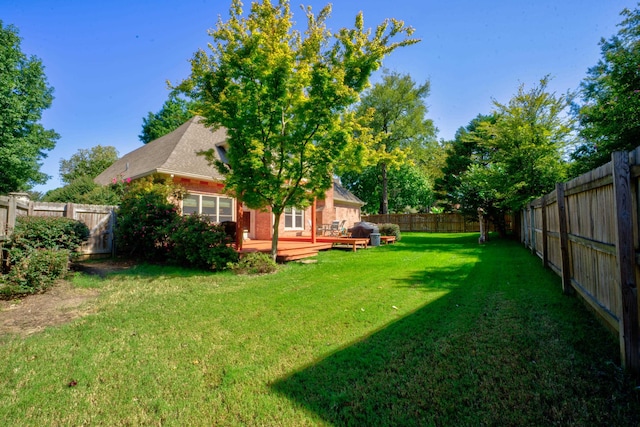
(433, 330)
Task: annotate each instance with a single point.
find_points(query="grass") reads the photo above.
(433, 330)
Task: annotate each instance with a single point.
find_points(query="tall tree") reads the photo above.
(466, 149)
(396, 108)
(284, 97)
(610, 115)
(173, 113)
(87, 163)
(24, 94)
(408, 188)
(514, 156)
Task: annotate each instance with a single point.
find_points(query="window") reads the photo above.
(294, 219)
(216, 208)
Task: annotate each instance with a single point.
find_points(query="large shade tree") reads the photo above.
(175, 111)
(408, 189)
(87, 162)
(24, 94)
(610, 113)
(515, 156)
(284, 96)
(396, 113)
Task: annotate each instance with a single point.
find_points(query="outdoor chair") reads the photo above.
(336, 227)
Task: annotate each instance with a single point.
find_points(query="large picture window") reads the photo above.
(216, 208)
(294, 219)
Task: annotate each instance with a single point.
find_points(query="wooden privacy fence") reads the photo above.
(432, 223)
(587, 232)
(100, 219)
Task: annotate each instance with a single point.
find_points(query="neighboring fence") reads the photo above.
(587, 232)
(433, 223)
(99, 219)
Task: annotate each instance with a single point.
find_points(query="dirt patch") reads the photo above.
(60, 304)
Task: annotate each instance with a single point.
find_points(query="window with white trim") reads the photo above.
(216, 208)
(294, 219)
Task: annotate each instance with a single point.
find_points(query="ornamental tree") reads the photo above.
(284, 96)
(24, 94)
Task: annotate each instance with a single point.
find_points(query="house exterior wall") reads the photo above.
(349, 213)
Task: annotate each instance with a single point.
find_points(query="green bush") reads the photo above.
(46, 233)
(390, 230)
(195, 242)
(255, 263)
(146, 218)
(39, 251)
(35, 272)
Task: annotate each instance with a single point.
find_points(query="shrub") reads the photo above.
(145, 220)
(195, 242)
(46, 233)
(255, 263)
(390, 230)
(39, 251)
(35, 272)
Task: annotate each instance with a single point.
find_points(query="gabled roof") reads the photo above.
(173, 153)
(341, 194)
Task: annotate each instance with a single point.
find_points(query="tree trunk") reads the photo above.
(274, 238)
(384, 202)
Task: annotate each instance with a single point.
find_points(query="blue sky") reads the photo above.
(109, 60)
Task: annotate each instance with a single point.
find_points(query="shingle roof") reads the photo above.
(341, 194)
(173, 153)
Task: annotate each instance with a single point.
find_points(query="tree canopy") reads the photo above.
(24, 94)
(87, 162)
(284, 96)
(395, 113)
(610, 114)
(409, 189)
(173, 113)
(501, 162)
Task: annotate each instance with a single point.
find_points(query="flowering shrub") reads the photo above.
(195, 242)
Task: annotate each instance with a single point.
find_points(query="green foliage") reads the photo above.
(395, 112)
(35, 272)
(390, 230)
(255, 263)
(174, 112)
(198, 243)
(39, 251)
(24, 94)
(87, 163)
(407, 188)
(84, 190)
(284, 97)
(55, 233)
(501, 162)
(610, 114)
(146, 218)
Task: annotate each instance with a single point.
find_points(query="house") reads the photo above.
(175, 155)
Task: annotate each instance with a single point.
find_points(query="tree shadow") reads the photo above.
(459, 361)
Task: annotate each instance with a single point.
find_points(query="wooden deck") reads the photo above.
(295, 248)
(288, 250)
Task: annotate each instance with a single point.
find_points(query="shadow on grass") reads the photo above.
(476, 356)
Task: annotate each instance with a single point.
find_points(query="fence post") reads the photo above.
(545, 251)
(532, 213)
(11, 214)
(70, 211)
(625, 255)
(567, 289)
